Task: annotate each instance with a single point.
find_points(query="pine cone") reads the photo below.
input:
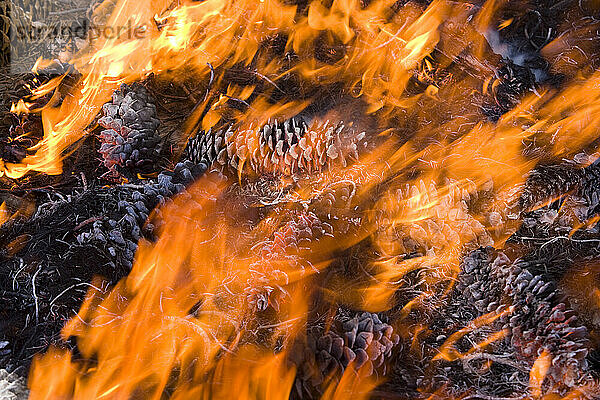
(580, 286)
(295, 235)
(510, 84)
(542, 322)
(335, 199)
(284, 248)
(477, 283)
(441, 221)
(120, 231)
(98, 11)
(590, 187)
(265, 288)
(549, 182)
(362, 339)
(539, 321)
(565, 202)
(284, 148)
(95, 232)
(130, 143)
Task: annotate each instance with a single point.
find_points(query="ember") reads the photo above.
(302, 199)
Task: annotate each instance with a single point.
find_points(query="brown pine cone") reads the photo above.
(282, 253)
(285, 148)
(419, 219)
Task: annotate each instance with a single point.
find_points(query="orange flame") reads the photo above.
(184, 322)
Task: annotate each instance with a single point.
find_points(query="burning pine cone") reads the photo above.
(120, 232)
(336, 205)
(548, 183)
(511, 83)
(95, 232)
(296, 235)
(285, 247)
(130, 142)
(560, 203)
(539, 321)
(285, 148)
(542, 322)
(447, 224)
(361, 340)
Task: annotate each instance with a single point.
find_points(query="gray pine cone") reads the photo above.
(130, 143)
(360, 339)
(477, 282)
(119, 233)
(539, 321)
(542, 322)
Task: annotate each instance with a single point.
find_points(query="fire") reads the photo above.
(4, 213)
(195, 313)
(215, 309)
(538, 373)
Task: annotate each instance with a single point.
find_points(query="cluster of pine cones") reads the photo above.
(524, 283)
(540, 320)
(358, 340)
(276, 147)
(519, 287)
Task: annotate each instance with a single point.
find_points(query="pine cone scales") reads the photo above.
(417, 218)
(120, 232)
(130, 142)
(572, 178)
(549, 183)
(296, 235)
(565, 206)
(335, 200)
(539, 320)
(369, 339)
(590, 187)
(94, 232)
(285, 247)
(361, 340)
(284, 148)
(542, 322)
(477, 282)
(510, 84)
